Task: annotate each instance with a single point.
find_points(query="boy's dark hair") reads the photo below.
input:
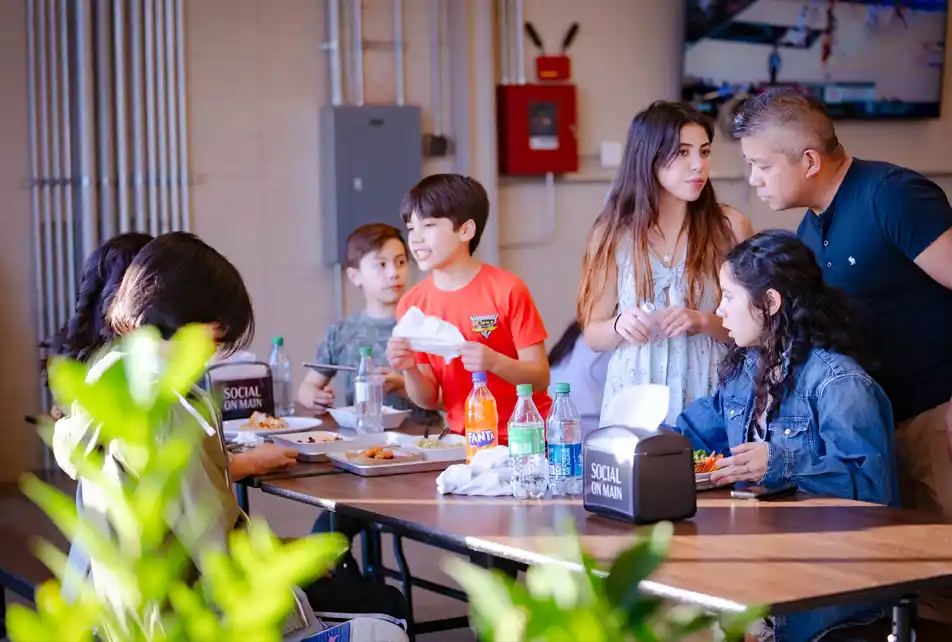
(178, 279)
(370, 238)
(452, 196)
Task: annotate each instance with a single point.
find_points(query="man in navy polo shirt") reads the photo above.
(883, 234)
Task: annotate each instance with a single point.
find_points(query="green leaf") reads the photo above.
(142, 364)
(734, 625)
(637, 564)
(188, 354)
(54, 559)
(556, 582)
(489, 597)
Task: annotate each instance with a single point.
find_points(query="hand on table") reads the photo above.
(261, 460)
(747, 463)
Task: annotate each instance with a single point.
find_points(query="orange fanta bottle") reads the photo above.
(481, 421)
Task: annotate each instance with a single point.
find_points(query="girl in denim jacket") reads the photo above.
(792, 405)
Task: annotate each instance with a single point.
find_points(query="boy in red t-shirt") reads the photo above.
(445, 216)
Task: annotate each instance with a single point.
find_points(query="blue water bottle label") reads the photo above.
(565, 460)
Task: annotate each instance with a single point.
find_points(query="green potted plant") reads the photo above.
(575, 600)
(174, 587)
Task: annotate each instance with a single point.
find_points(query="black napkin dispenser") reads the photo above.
(639, 476)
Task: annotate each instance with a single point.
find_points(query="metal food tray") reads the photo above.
(317, 452)
(702, 481)
(340, 460)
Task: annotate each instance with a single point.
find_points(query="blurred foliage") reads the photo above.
(175, 584)
(574, 600)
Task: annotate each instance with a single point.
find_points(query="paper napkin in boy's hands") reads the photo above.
(488, 473)
(430, 334)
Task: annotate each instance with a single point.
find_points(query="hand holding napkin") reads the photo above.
(430, 334)
(487, 474)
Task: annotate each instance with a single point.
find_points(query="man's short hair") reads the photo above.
(801, 117)
(370, 238)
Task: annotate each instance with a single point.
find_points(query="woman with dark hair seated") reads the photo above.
(88, 332)
(174, 281)
(792, 405)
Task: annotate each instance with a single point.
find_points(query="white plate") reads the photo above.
(232, 428)
(455, 449)
(347, 418)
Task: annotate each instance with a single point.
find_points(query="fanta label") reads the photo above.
(481, 438)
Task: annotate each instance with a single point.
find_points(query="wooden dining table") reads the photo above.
(790, 555)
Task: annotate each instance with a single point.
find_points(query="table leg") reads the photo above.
(3, 611)
(241, 493)
(904, 621)
(373, 553)
(405, 580)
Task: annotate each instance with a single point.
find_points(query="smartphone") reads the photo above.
(761, 494)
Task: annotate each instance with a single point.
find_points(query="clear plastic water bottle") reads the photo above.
(527, 447)
(563, 434)
(281, 379)
(368, 395)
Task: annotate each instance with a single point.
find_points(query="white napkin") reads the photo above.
(488, 473)
(430, 334)
(642, 406)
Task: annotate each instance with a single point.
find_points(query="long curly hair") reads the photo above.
(811, 314)
(87, 331)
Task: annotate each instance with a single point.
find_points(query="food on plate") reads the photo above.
(376, 455)
(431, 443)
(704, 463)
(377, 452)
(260, 421)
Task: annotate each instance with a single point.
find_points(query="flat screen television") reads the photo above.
(864, 59)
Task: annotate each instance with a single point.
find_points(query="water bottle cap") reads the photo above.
(524, 390)
(479, 377)
(278, 341)
(562, 388)
(365, 351)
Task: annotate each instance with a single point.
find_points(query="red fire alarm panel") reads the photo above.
(537, 121)
(537, 129)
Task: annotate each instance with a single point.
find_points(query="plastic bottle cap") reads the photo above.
(524, 390)
(365, 351)
(479, 377)
(562, 388)
(278, 341)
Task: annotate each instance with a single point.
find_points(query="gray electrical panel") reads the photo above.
(370, 157)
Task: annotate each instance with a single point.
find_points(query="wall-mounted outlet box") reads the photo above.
(609, 154)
